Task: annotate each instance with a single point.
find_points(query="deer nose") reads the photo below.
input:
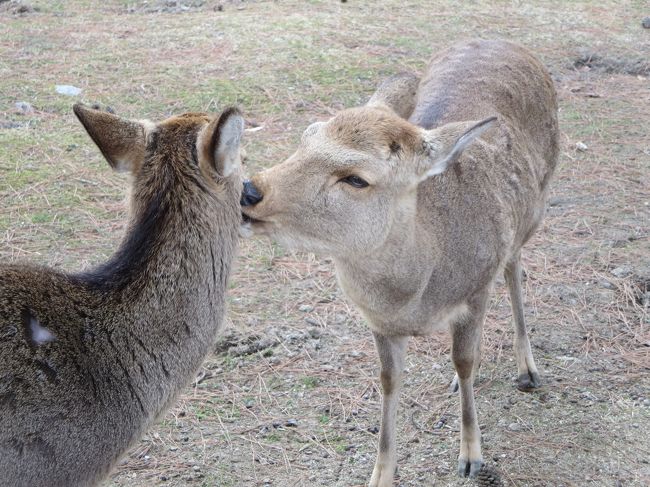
(250, 195)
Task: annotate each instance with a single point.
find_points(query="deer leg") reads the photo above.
(465, 350)
(527, 374)
(391, 351)
(453, 386)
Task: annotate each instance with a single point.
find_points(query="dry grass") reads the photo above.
(287, 64)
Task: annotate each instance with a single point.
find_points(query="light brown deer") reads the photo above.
(421, 215)
(88, 361)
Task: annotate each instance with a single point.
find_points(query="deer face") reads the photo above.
(352, 181)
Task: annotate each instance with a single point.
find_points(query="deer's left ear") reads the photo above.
(121, 141)
(220, 142)
(443, 145)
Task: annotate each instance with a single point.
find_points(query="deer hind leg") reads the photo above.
(391, 351)
(528, 376)
(465, 353)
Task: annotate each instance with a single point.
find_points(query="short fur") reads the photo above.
(443, 214)
(88, 361)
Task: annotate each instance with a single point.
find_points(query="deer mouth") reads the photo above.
(251, 226)
(249, 219)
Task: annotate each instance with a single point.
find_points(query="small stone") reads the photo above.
(291, 423)
(646, 22)
(581, 146)
(557, 201)
(567, 358)
(607, 285)
(306, 308)
(68, 90)
(314, 332)
(621, 272)
(196, 468)
(173, 448)
(311, 321)
(515, 427)
(294, 337)
(373, 429)
(24, 107)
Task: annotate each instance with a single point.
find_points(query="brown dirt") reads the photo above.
(290, 396)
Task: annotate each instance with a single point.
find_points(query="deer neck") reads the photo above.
(395, 273)
(174, 261)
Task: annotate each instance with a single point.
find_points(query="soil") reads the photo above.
(290, 396)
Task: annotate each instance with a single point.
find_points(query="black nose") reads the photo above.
(250, 195)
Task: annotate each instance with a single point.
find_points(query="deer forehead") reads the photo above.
(324, 156)
(187, 122)
(373, 130)
(372, 144)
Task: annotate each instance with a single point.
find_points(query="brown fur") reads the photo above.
(123, 339)
(444, 211)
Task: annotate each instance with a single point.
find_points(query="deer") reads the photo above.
(89, 360)
(422, 197)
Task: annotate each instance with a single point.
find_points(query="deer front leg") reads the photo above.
(391, 351)
(466, 339)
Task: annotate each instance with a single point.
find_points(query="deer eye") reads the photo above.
(355, 181)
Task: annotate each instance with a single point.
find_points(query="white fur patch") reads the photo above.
(40, 334)
(246, 230)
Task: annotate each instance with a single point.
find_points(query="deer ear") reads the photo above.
(312, 130)
(121, 141)
(443, 145)
(221, 140)
(397, 94)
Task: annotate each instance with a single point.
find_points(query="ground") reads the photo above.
(290, 395)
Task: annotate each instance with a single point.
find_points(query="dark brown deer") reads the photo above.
(88, 361)
(423, 197)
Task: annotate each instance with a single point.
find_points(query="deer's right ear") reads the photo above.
(443, 145)
(121, 141)
(220, 142)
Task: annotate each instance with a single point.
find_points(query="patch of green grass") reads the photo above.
(273, 437)
(229, 362)
(310, 382)
(42, 217)
(203, 412)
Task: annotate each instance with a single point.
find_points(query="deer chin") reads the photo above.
(251, 226)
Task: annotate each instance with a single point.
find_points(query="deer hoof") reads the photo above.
(528, 382)
(469, 469)
(453, 386)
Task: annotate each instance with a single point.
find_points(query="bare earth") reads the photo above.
(290, 396)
